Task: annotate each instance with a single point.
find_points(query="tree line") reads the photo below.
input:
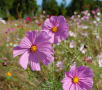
(22, 8)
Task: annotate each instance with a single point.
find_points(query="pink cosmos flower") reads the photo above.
(57, 28)
(78, 78)
(28, 19)
(34, 48)
(60, 65)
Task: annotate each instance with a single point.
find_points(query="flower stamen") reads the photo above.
(33, 48)
(75, 80)
(54, 29)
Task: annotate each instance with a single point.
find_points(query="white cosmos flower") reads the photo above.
(98, 19)
(2, 21)
(100, 62)
(82, 49)
(99, 57)
(94, 22)
(84, 27)
(98, 13)
(60, 65)
(72, 34)
(72, 44)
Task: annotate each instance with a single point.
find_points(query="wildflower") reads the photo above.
(4, 58)
(72, 17)
(85, 27)
(57, 28)
(93, 12)
(99, 57)
(28, 19)
(60, 65)
(2, 21)
(14, 45)
(72, 44)
(4, 64)
(34, 48)
(44, 12)
(98, 19)
(87, 59)
(85, 34)
(83, 49)
(35, 17)
(9, 74)
(94, 22)
(72, 34)
(79, 78)
(100, 62)
(98, 13)
(85, 12)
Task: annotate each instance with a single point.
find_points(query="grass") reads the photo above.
(49, 78)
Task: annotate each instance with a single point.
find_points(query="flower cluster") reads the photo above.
(37, 47)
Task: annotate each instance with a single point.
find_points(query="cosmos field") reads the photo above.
(81, 47)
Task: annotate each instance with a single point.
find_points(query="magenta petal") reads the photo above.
(64, 35)
(47, 24)
(84, 71)
(45, 57)
(61, 19)
(32, 36)
(72, 71)
(18, 51)
(51, 35)
(53, 20)
(43, 37)
(45, 47)
(25, 43)
(34, 62)
(57, 39)
(67, 83)
(86, 83)
(24, 60)
(79, 88)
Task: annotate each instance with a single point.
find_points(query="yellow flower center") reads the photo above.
(54, 29)
(33, 48)
(9, 74)
(75, 80)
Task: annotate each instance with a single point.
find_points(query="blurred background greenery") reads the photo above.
(21, 8)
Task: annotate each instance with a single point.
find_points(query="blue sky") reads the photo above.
(39, 2)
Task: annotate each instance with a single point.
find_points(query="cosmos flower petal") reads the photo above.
(84, 71)
(18, 51)
(64, 35)
(32, 36)
(57, 39)
(24, 60)
(43, 37)
(61, 19)
(67, 83)
(77, 87)
(25, 43)
(86, 83)
(45, 58)
(72, 71)
(45, 47)
(34, 63)
(46, 50)
(53, 20)
(47, 24)
(51, 35)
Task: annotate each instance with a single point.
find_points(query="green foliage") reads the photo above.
(23, 8)
(50, 6)
(17, 8)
